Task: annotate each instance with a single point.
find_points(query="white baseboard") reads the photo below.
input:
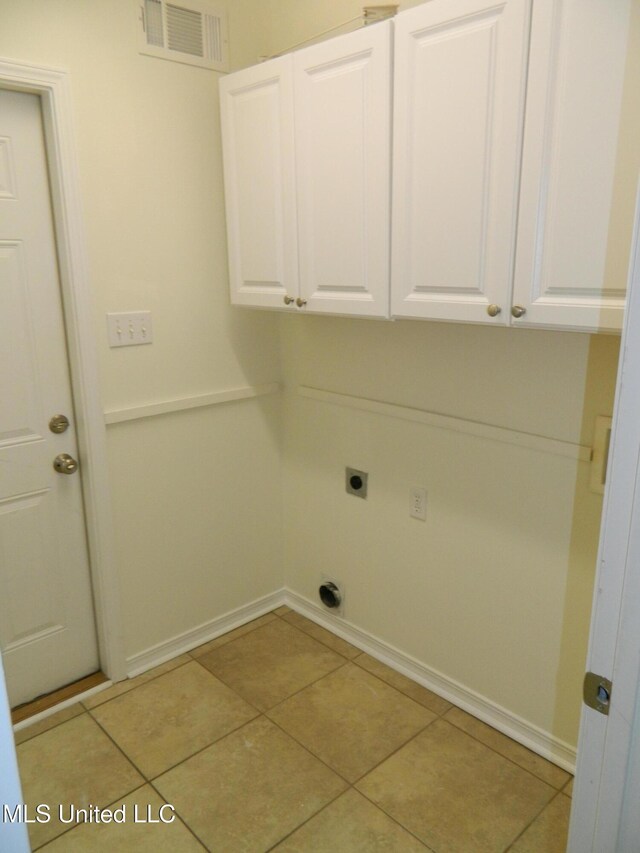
(169, 649)
(523, 732)
(539, 741)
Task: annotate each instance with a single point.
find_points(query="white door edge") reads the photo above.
(52, 85)
(608, 768)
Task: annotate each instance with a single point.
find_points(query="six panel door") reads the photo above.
(47, 630)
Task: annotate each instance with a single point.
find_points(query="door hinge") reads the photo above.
(596, 692)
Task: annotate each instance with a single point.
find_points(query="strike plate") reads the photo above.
(596, 692)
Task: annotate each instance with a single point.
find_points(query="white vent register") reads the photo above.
(194, 33)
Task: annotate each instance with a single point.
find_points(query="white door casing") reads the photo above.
(47, 631)
(614, 644)
(459, 96)
(52, 86)
(342, 109)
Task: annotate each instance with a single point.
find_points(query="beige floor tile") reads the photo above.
(280, 611)
(351, 720)
(322, 635)
(232, 635)
(249, 790)
(271, 663)
(135, 832)
(517, 753)
(172, 717)
(75, 763)
(569, 789)
(49, 722)
(351, 824)
(548, 833)
(405, 685)
(131, 683)
(456, 794)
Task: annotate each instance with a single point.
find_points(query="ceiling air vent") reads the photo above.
(192, 32)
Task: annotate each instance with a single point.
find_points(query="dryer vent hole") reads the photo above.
(330, 594)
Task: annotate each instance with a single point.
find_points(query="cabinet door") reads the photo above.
(459, 91)
(257, 139)
(343, 141)
(563, 277)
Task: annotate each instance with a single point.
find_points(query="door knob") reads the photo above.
(493, 310)
(300, 302)
(288, 300)
(65, 464)
(518, 311)
(59, 423)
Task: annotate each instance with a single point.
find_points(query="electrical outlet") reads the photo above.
(418, 503)
(129, 329)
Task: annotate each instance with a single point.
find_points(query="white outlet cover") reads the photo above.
(418, 503)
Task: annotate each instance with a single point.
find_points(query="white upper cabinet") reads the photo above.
(574, 96)
(307, 162)
(459, 95)
(260, 194)
(342, 108)
(488, 193)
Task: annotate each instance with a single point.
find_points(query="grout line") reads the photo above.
(223, 642)
(506, 757)
(306, 821)
(531, 822)
(394, 819)
(55, 726)
(137, 686)
(178, 815)
(406, 695)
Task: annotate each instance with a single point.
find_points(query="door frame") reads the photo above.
(53, 88)
(604, 815)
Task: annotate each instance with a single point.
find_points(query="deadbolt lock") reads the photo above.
(65, 464)
(59, 423)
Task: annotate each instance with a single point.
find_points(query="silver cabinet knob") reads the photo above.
(65, 464)
(59, 423)
(288, 300)
(493, 310)
(518, 311)
(300, 302)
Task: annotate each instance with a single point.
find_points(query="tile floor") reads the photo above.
(281, 736)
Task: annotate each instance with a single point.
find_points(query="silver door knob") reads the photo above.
(518, 311)
(65, 464)
(59, 423)
(300, 302)
(288, 300)
(493, 310)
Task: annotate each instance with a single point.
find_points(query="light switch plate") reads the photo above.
(129, 329)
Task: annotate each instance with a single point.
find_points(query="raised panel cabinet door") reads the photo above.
(566, 275)
(342, 93)
(459, 95)
(256, 107)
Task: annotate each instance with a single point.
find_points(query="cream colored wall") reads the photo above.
(494, 589)
(186, 486)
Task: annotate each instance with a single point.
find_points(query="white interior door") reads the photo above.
(47, 629)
